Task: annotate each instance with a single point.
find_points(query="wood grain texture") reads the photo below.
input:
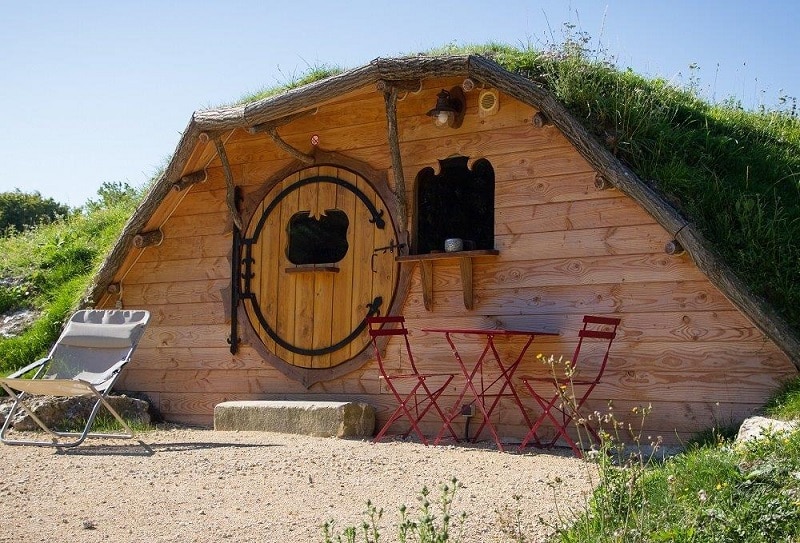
(688, 345)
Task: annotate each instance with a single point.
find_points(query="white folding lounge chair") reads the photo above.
(85, 361)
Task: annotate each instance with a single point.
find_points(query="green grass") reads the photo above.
(734, 173)
(314, 73)
(52, 266)
(105, 423)
(786, 403)
(715, 491)
(433, 521)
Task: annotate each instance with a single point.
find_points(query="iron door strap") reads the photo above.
(377, 214)
(373, 308)
(244, 261)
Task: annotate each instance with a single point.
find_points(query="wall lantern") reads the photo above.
(449, 108)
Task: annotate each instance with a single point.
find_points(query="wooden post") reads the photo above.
(426, 273)
(465, 263)
(190, 179)
(148, 239)
(231, 195)
(390, 99)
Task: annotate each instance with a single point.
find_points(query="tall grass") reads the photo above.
(48, 268)
(722, 491)
(732, 172)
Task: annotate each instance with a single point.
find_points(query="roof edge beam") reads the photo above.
(266, 126)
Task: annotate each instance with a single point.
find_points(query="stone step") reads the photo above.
(314, 418)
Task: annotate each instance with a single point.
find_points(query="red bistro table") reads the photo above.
(482, 389)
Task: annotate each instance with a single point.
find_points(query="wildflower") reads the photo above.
(701, 495)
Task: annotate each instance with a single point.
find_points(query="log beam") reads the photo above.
(148, 239)
(231, 193)
(411, 85)
(390, 100)
(265, 127)
(189, 180)
(540, 120)
(673, 247)
(296, 153)
(601, 183)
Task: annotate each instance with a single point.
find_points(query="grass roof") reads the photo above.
(734, 173)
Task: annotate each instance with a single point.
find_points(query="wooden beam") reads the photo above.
(601, 183)
(465, 264)
(148, 239)
(411, 85)
(540, 120)
(390, 99)
(231, 193)
(673, 247)
(296, 153)
(426, 269)
(265, 127)
(190, 179)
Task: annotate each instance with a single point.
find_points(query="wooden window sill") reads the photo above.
(313, 268)
(464, 259)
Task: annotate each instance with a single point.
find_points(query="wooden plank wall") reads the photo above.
(566, 249)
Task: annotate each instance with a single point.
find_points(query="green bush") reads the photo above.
(20, 210)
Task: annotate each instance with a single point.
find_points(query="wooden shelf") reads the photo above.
(464, 259)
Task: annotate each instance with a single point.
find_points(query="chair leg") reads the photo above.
(434, 402)
(559, 426)
(402, 410)
(57, 436)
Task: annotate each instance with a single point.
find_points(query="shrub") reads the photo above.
(20, 211)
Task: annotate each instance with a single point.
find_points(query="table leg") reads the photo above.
(506, 375)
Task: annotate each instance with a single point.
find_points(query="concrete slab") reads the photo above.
(314, 418)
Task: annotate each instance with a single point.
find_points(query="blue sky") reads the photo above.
(100, 91)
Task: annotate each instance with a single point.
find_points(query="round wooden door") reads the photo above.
(321, 261)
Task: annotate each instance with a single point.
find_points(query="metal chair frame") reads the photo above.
(86, 360)
(570, 393)
(422, 398)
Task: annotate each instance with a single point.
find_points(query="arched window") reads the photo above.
(456, 203)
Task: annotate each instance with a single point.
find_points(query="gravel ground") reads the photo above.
(182, 484)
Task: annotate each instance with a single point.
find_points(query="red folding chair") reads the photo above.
(422, 397)
(561, 398)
